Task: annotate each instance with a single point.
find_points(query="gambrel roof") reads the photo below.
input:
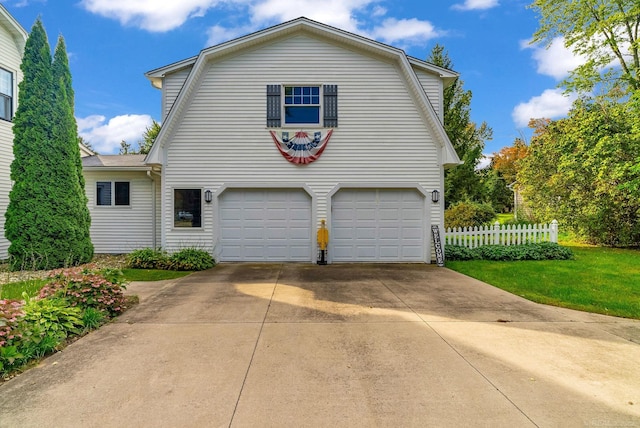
(407, 65)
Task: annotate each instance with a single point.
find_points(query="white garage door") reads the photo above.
(378, 225)
(265, 225)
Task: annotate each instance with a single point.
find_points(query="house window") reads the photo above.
(302, 105)
(187, 208)
(113, 193)
(6, 94)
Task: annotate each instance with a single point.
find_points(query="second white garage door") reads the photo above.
(265, 225)
(377, 225)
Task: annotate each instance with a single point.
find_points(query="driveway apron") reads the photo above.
(357, 345)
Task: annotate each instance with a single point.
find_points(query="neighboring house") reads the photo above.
(124, 200)
(12, 41)
(266, 135)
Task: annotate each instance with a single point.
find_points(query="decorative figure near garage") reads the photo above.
(323, 241)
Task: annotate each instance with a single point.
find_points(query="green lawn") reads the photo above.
(152, 274)
(600, 280)
(14, 290)
(504, 218)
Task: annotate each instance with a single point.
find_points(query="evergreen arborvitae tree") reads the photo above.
(47, 218)
(67, 139)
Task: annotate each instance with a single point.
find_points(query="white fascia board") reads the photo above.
(19, 34)
(116, 168)
(450, 157)
(448, 76)
(156, 76)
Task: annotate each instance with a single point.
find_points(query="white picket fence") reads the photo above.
(498, 234)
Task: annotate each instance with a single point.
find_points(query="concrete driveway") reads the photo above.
(292, 345)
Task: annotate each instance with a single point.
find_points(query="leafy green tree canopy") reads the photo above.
(583, 171)
(462, 182)
(604, 32)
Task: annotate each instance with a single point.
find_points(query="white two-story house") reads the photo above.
(265, 136)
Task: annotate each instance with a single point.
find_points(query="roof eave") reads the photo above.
(116, 168)
(19, 34)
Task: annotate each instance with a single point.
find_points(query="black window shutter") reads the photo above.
(273, 106)
(330, 106)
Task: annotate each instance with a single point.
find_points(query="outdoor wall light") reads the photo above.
(435, 196)
(208, 196)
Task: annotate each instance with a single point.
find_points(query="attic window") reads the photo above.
(301, 105)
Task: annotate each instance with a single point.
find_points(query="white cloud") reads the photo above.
(476, 5)
(556, 60)
(405, 30)
(218, 34)
(484, 162)
(105, 137)
(150, 15)
(155, 16)
(338, 13)
(552, 103)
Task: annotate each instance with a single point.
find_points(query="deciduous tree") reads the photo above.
(604, 32)
(583, 170)
(462, 182)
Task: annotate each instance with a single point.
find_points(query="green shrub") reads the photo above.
(89, 288)
(92, 318)
(468, 214)
(538, 251)
(191, 259)
(55, 317)
(11, 311)
(187, 259)
(148, 258)
(458, 252)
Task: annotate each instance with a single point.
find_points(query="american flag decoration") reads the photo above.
(303, 148)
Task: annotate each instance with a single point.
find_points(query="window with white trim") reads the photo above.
(116, 193)
(6, 94)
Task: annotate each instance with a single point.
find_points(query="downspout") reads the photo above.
(153, 210)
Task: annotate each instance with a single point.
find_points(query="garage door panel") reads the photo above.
(378, 225)
(265, 225)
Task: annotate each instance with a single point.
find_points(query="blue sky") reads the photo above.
(112, 43)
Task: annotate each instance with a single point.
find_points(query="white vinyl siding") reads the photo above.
(10, 59)
(433, 87)
(221, 138)
(171, 86)
(118, 229)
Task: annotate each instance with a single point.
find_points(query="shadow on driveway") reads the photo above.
(338, 345)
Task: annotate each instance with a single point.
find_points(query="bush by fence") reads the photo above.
(539, 251)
